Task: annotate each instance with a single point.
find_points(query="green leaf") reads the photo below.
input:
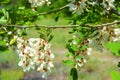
(74, 47)
(68, 62)
(5, 1)
(80, 34)
(12, 41)
(50, 38)
(68, 54)
(3, 48)
(2, 42)
(7, 15)
(119, 64)
(3, 21)
(73, 74)
(2, 31)
(83, 47)
(72, 31)
(79, 57)
(115, 75)
(114, 47)
(77, 40)
(4, 11)
(21, 7)
(57, 17)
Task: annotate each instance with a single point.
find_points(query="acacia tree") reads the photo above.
(93, 23)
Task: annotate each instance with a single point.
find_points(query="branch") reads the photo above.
(43, 26)
(53, 11)
(115, 11)
(64, 26)
(107, 24)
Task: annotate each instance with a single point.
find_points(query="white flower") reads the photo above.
(108, 4)
(89, 51)
(19, 45)
(44, 75)
(104, 29)
(117, 31)
(47, 46)
(80, 62)
(78, 7)
(28, 66)
(40, 68)
(20, 63)
(9, 33)
(51, 56)
(115, 39)
(27, 49)
(49, 66)
(37, 3)
(72, 7)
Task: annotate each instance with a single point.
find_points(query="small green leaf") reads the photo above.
(2, 31)
(119, 64)
(72, 31)
(80, 34)
(77, 40)
(5, 1)
(68, 62)
(7, 15)
(3, 21)
(3, 48)
(73, 74)
(68, 54)
(2, 42)
(57, 17)
(114, 47)
(12, 41)
(74, 47)
(79, 57)
(50, 38)
(115, 75)
(21, 7)
(4, 11)
(83, 47)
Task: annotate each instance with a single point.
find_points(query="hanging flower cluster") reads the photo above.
(79, 48)
(108, 4)
(83, 50)
(105, 35)
(81, 45)
(34, 53)
(37, 3)
(77, 6)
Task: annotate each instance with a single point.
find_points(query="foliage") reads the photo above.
(11, 75)
(114, 48)
(115, 75)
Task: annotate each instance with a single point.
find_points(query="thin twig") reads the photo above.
(64, 26)
(53, 11)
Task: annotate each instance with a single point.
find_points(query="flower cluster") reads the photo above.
(81, 50)
(37, 3)
(34, 53)
(105, 35)
(108, 4)
(84, 49)
(116, 36)
(80, 46)
(77, 6)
